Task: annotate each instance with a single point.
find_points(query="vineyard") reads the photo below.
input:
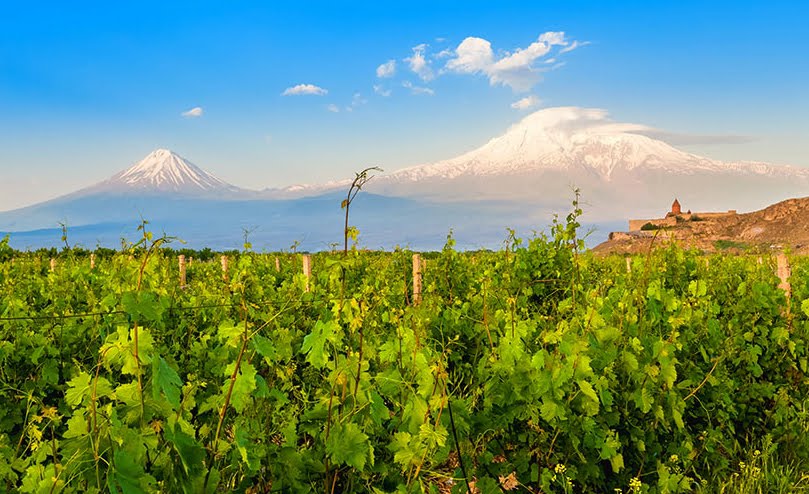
(538, 368)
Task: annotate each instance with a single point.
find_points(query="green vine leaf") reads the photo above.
(165, 380)
(348, 445)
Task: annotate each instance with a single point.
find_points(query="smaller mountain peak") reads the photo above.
(163, 170)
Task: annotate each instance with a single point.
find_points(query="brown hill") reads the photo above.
(782, 225)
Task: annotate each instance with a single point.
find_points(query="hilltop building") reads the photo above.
(675, 216)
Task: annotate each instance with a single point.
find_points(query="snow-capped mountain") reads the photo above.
(164, 172)
(571, 138)
(620, 169)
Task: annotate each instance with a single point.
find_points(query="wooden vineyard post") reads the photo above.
(224, 261)
(277, 265)
(307, 268)
(181, 260)
(628, 265)
(783, 273)
(53, 264)
(92, 260)
(417, 264)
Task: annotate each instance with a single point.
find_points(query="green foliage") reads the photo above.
(649, 226)
(564, 372)
(731, 244)
(6, 252)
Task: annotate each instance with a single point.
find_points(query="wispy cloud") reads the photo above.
(358, 100)
(518, 69)
(419, 63)
(387, 69)
(575, 119)
(193, 112)
(380, 90)
(304, 89)
(572, 46)
(526, 103)
(683, 139)
(417, 89)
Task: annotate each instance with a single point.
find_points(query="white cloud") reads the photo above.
(526, 103)
(472, 55)
(417, 89)
(380, 90)
(302, 89)
(516, 69)
(333, 108)
(193, 112)
(553, 38)
(419, 63)
(387, 69)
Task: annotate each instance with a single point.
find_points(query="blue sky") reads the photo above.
(87, 89)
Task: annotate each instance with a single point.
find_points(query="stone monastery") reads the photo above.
(673, 217)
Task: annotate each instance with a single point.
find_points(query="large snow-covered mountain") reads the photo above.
(620, 169)
(571, 138)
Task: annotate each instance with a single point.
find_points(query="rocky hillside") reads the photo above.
(782, 225)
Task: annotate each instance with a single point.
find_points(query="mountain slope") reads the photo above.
(781, 225)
